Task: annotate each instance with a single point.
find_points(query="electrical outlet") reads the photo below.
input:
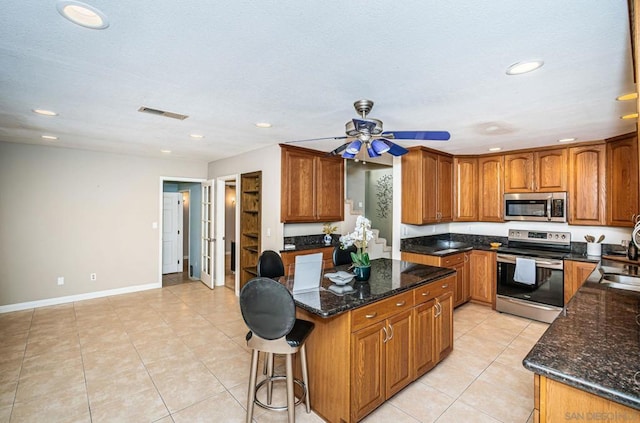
(93, 277)
(60, 280)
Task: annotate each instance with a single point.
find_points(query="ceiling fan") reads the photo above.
(368, 132)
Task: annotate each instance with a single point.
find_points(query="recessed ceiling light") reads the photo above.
(44, 112)
(630, 116)
(49, 137)
(566, 139)
(524, 67)
(495, 149)
(165, 151)
(197, 136)
(492, 128)
(263, 125)
(82, 14)
(625, 97)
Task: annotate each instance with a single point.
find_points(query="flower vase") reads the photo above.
(362, 273)
(327, 239)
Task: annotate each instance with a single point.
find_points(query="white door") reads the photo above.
(171, 232)
(207, 235)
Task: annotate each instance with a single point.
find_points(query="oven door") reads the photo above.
(549, 281)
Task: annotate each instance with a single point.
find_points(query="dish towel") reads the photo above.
(525, 271)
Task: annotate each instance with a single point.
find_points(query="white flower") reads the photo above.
(360, 237)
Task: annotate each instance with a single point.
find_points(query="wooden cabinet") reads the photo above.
(556, 402)
(575, 273)
(381, 352)
(312, 186)
(433, 322)
(465, 195)
(427, 187)
(537, 171)
(482, 268)
(622, 181)
(459, 262)
(587, 185)
(490, 188)
(250, 225)
(289, 257)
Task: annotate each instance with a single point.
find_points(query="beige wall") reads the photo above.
(71, 212)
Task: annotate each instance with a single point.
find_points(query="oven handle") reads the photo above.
(544, 264)
(529, 304)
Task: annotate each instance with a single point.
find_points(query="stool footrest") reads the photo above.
(278, 378)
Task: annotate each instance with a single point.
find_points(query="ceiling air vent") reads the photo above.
(158, 112)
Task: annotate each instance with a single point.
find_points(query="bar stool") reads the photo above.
(269, 311)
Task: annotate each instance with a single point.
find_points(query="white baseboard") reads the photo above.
(72, 298)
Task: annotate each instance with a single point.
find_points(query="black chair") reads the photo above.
(270, 265)
(269, 311)
(341, 256)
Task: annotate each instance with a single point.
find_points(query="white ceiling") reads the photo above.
(427, 65)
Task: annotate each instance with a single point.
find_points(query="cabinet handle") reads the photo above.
(446, 285)
(438, 309)
(426, 294)
(401, 303)
(372, 315)
(391, 331)
(384, 329)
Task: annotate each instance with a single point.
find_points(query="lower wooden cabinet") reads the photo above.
(575, 273)
(482, 269)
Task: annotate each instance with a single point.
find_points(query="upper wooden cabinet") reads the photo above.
(312, 188)
(587, 185)
(427, 181)
(465, 197)
(539, 171)
(490, 189)
(622, 180)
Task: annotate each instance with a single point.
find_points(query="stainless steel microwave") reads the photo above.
(536, 206)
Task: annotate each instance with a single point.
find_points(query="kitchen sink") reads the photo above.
(627, 282)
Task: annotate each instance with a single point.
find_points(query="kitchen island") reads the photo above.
(370, 343)
(587, 363)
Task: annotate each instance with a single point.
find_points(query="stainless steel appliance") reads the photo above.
(536, 206)
(542, 297)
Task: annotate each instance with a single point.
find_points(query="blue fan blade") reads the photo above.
(338, 150)
(395, 149)
(419, 135)
(361, 124)
(346, 155)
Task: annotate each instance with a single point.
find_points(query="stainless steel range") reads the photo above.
(530, 274)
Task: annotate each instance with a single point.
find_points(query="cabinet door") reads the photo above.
(466, 189)
(622, 181)
(329, 189)
(490, 191)
(298, 187)
(550, 170)
(424, 341)
(367, 370)
(444, 325)
(412, 189)
(587, 185)
(575, 273)
(466, 276)
(518, 172)
(482, 268)
(458, 290)
(445, 189)
(429, 187)
(399, 371)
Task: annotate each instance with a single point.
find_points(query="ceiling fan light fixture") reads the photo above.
(354, 147)
(372, 152)
(524, 67)
(82, 14)
(379, 146)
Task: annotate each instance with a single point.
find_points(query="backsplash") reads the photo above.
(310, 240)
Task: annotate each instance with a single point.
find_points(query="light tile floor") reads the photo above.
(177, 354)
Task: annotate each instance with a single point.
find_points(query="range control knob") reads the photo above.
(556, 236)
(563, 236)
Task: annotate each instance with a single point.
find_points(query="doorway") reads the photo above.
(230, 198)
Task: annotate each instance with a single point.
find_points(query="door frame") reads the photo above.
(158, 225)
(219, 217)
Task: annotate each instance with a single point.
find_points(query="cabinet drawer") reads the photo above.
(432, 290)
(380, 310)
(452, 260)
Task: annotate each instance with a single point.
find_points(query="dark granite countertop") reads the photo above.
(594, 344)
(388, 277)
(435, 244)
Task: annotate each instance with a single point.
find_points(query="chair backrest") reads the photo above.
(341, 256)
(267, 308)
(270, 265)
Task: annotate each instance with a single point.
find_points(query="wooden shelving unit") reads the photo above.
(250, 224)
